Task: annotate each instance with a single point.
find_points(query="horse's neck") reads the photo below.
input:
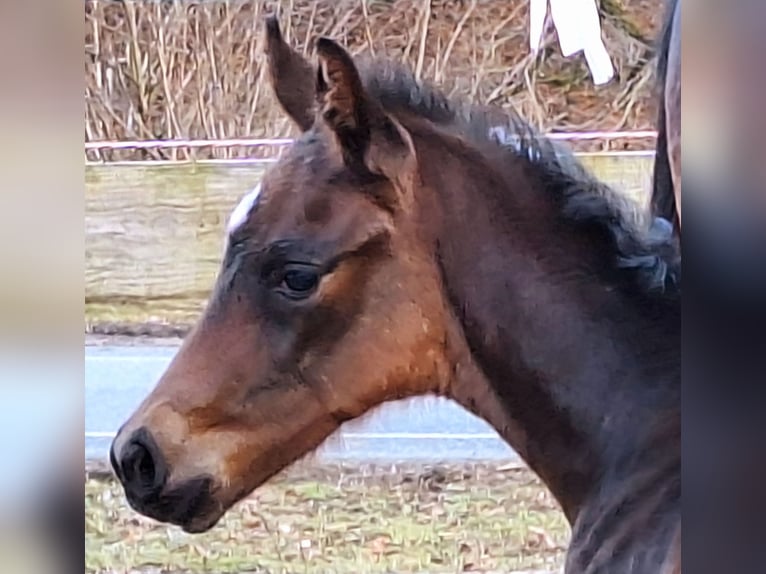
(544, 339)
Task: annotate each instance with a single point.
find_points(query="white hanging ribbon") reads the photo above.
(578, 28)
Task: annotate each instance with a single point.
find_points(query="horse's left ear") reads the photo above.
(291, 76)
(369, 138)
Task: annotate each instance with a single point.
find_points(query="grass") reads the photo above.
(477, 518)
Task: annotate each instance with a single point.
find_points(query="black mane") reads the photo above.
(643, 245)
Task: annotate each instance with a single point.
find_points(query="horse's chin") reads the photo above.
(203, 518)
(201, 524)
(207, 516)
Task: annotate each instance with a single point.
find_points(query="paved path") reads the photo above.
(430, 429)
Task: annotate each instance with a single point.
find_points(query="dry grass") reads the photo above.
(456, 519)
(192, 69)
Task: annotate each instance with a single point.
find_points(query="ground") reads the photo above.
(456, 518)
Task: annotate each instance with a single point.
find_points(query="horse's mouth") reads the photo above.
(191, 505)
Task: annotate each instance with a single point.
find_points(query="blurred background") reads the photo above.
(162, 70)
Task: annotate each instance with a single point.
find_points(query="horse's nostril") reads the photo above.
(138, 466)
(141, 466)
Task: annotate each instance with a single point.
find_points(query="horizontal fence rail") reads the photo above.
(260, 142)
(154, 230)
(370, 435)
(426, 428)
(267, 150)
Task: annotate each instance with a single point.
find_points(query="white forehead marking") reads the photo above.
(243, 209)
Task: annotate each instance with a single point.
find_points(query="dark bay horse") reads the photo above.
(407, 244)
(666, 192)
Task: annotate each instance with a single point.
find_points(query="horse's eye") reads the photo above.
(300, 282)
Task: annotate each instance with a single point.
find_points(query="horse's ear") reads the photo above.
(368, 136)
(292, 77)
(342, 99)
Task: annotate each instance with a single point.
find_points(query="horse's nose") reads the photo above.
(139, 465)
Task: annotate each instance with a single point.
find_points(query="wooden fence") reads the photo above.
(154, 233)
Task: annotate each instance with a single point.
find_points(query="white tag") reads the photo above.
(578, 28)
(538, 10)
(600, 64)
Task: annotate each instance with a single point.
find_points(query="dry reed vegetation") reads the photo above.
(193, 69)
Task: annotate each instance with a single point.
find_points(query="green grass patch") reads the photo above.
(445, 519)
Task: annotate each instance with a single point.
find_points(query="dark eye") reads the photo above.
(299, 282)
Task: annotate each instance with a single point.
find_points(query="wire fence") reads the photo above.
(93, 149)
